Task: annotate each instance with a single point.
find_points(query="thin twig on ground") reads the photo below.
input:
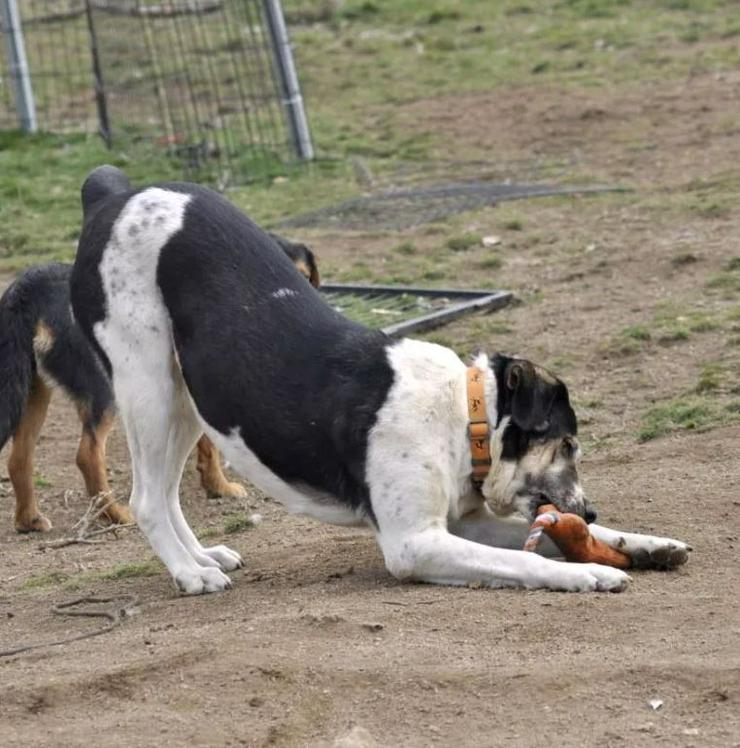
(83, 531)
(114, 618)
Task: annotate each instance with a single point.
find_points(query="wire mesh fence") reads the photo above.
(201, 78)
(401, 310)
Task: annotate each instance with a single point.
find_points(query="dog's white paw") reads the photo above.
(659, 553)
(227, 559)
(608, 579)
(202, 581)
(572, 577)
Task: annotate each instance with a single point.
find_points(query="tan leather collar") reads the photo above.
(478, 430)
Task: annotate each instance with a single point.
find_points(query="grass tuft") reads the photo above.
(636, 332)
(237, 523)
(689, 413)
(132, 570)
(49, 579)
(491, 262)
(464, 242)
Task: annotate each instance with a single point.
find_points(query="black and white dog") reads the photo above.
(206, 327)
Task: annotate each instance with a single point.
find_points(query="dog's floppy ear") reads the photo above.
(530, 399)
(314, 278)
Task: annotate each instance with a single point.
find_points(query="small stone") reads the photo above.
(357, 737)
(655, 704)
(690, 731)
(491, 241)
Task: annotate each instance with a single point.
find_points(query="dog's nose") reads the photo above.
(590, 514)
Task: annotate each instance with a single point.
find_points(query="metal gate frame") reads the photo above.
(463, 302)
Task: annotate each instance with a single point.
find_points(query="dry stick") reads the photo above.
(114, 619)
(82, 537)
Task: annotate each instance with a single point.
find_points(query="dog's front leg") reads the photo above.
(434, 555)
(646, 551)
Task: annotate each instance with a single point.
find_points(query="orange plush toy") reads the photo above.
(570, 534)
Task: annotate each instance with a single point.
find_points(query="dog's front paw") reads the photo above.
(571, 577)
(227, 559)
(608, 579)
(659, 553)
(202, 581)
(37, 523)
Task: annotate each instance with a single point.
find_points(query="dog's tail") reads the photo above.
(101, 183)
(17, 363)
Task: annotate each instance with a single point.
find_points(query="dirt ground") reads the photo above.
(316, 645)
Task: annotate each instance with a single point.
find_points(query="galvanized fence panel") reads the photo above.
(200, 78)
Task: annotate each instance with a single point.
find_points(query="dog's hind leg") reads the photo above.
(646, 551)
(212, 477)
(92, 464)
(28, 518)
(180, 444)
(159, 446)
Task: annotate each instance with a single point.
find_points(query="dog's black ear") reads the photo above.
(530, 397)
(314, 277)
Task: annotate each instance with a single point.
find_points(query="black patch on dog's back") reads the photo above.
(262, 352)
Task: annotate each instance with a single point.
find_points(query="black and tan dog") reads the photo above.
(41, 347)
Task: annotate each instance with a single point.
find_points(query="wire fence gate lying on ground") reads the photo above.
(401, 310)
(211, 81)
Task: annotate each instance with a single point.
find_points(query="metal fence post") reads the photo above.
(100, 98)
(288, 77)
(18, 64)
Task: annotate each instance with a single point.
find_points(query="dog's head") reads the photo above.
(534, 447)
(302, 257)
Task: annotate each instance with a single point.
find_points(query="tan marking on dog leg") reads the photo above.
(92, 465)
(212, 477)
(28, 518)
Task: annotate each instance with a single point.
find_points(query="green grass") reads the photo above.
(688, 413)
(237, 523)
(491, 262)
(463, 242)
(405, 248)
(699, 410)
(628, 341)
(131, 570)
(711, 378)
(48, 579)
(636, 332)
(360, 64)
